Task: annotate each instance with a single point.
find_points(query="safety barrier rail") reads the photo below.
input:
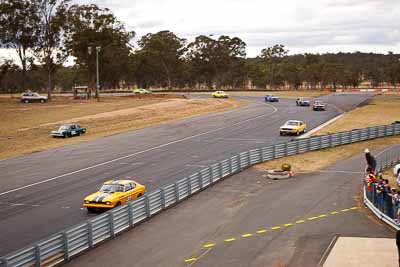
(385, 206)
(62, 246)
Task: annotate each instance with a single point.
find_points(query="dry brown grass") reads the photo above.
(381, 110)
(317, 160)
(26, 127)
(283, 94)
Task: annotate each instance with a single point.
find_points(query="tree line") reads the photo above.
(45, 33)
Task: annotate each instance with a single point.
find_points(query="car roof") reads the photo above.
(293, 121)
(120, 182)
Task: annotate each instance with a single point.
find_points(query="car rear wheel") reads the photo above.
(26, 101)
(42, 101)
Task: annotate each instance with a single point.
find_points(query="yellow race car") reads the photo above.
(114, 193)
(293, 127)
(219, 94)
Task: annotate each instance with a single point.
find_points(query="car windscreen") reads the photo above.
(63, 128)
(292, 123)
(111, 188)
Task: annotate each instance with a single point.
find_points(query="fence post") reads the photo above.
(4, 262)
(260, 155)
(65, 246)
(286, 149)
(147, 204)
(274, 151)
(340, 139)
(189, 186)
(240, 162)
(90, 233)
(38, 259)
(163, 198)
(201, 180)
(176, 187)
(298, 146)
(111, 221)
(130, 214)
(320, 142)
(248, 158)
(330, 140)
(309, 144)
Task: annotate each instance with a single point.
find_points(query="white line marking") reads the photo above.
(20, 204)
(136, 153)
(309, 133)
(349, 172)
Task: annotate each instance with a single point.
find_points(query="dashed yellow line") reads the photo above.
(209, 245)
(262, 231)
(247, 235)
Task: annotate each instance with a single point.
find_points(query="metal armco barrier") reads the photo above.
(381, 203)
(61, 247)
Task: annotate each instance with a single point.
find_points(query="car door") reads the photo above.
(127, 193)
(73, 130)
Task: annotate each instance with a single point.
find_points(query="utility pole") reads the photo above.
(97, 73)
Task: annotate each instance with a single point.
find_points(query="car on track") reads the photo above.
(271, 98)
(114, 193)
(303, 102)
(219, 94)
(293, 127)
(33, 97)
(141, 91)
(68, 130)
(319, 105)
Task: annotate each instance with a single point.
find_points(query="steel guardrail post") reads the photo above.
(369, 133)
(147, 205)
(130, 215)
(340, 139)
(274, 151)
(65, 246)
(162, 198)
(189, 186)
(4, 262)
(230, 166)
(201, 180)
(176, 187)
(38, 259)
(330, 140)
(90, 233)
(248, 158)
(111, 221)
(286, 148)
(309, 144)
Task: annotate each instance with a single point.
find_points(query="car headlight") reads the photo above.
(86, 201)
(108, 203)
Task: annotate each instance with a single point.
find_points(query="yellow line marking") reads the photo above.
(191, 260)
(354, 208)
(275, 227)
(312, 218)
(210, 245)
(247, 235)
(230, 239)
(262, 231)
(334, 212)
(300, 221)
(288, 224)
(345, 210)
(322, 216)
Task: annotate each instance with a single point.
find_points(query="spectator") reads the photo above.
(379, 195)
(371, 162)
(394, 195)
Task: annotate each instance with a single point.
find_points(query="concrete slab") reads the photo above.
(366, 252)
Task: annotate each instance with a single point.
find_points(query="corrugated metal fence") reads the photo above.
(382, 204)
(69, 243)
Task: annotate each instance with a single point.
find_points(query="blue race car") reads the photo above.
(271, 98)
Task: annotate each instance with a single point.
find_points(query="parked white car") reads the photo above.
(396, 172)
(33, 97)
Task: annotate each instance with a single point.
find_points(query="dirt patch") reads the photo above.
(283, 94)
(379, 111)
(318, 160)
(29, 125)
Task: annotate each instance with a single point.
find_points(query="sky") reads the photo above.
(312, 26)
(303, 26)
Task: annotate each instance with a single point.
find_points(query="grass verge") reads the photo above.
(26, 127)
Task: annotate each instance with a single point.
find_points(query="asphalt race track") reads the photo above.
(248, 220)
(41, 193)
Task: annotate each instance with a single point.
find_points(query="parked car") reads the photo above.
(142, 91)
(114, 193)
(219, 94)
(293, 127)
(33, 97)
(303, 102)
(271, 98)
(318, 105)
(68, 130)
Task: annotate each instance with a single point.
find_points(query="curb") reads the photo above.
(308, 134)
